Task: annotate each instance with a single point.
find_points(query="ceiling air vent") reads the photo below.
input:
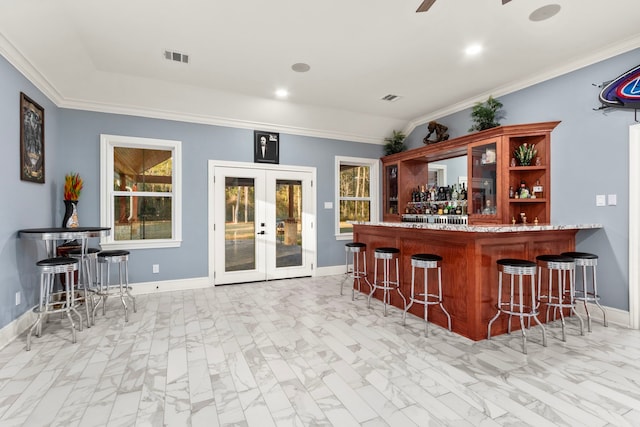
(176, 56)
(390, 98)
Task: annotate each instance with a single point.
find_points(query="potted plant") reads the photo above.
(525, 154)
(486, 115)
(395, 144)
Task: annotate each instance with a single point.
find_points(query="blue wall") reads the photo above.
(589, 156)
(24, 204)
(80, 131)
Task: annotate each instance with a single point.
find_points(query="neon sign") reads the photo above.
(623, 92)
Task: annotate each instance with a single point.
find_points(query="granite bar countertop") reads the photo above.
(500, 228)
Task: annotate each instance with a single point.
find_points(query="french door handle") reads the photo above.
(261, 232)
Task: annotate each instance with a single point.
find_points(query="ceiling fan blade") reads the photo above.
(426, 5)
(505, 2)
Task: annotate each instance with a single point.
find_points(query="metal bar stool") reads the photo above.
(426, 262)
(564, 295)
(520, 307)
(386, 255)
(49, 303)
(121, 289)
(89, 279)
(584, 294)
(358, 254)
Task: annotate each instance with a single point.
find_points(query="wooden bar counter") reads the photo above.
(469, 272)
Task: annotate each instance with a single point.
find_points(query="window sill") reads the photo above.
(149, 244)
(344, 236)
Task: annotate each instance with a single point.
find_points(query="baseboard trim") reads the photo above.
(614, 315)
(170, 285)
(330, 271)
(11, 331)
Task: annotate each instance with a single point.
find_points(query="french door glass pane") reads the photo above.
(288, 223)
(240, 228)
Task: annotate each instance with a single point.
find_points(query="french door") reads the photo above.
(263, 223)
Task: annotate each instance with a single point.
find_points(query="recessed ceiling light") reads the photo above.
(474, 49)
(544, 12)
(300, 67)
(282, 93)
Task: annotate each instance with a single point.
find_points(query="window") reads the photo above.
(140, 192)
(356, 193)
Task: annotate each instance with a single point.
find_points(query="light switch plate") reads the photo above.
(328, 205)
(612, 199)
(601, 200)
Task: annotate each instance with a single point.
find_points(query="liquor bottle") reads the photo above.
(511, 192)
(524, 191)
(538, 189)
(463, 193)
(454, 192)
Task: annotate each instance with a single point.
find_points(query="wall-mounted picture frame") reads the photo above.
(266, 147)
(31, 140)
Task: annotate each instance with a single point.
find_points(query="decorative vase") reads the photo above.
(70, 219)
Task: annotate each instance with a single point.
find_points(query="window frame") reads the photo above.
(107, 145)
(374, 190)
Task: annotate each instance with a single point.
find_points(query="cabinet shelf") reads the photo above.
(529, 200)
(527, 168)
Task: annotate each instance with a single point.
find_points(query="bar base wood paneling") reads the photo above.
(469, 272)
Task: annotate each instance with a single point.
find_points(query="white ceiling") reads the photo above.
(108, 56)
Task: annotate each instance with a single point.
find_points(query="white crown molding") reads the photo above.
(601, 55)
(18, 60)
(213, 120)
(15, 58)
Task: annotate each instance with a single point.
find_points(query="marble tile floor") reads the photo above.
(296, 353)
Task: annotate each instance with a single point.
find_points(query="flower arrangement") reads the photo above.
(72, 186)
(525, 153)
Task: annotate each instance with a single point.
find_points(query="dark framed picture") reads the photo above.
(266, 147)
(31, 140)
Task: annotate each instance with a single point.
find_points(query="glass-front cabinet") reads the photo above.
(504, 178)
(483, 186)
(390, 193)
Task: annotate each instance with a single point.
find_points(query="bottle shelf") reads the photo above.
(438, 202)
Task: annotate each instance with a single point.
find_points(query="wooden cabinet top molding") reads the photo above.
(458, 146)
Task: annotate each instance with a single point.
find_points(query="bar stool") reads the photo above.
(519, 307)
(358, 253)
(49, 303)
(121, 289)
(89, 277)
(564, 295)
(426, 262)
(386, 255)
(584, 294)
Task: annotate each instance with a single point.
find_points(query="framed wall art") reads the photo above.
(266, 147)
(31, 140)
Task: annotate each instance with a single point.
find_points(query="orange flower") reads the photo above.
(72, 186)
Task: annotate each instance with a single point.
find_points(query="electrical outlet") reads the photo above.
(18, 298)
(156, 268)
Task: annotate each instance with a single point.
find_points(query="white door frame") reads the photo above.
(311, 245)
(634, 226)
